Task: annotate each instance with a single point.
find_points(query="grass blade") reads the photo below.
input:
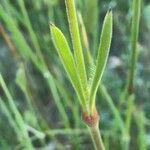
(139, 119)
(91, 18)
(28, 25)
(18, 38)
(134, 39)
(6, 111)
(18, 118)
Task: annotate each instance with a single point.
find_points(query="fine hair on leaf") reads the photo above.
(103, 52)
(67, 60)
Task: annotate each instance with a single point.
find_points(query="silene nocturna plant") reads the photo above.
(85, 87)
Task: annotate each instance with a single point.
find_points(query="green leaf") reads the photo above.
(76, 42)
(67, 60)
(103, 52)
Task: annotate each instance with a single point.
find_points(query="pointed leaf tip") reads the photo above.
(51, 24)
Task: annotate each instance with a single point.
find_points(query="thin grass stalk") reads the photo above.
(112, 107)
(77, 123)
(140, 122)
(129, 88)
(130, 110)
(121, 124)
(91, 20)
(106, 141)
(28, 25)
(134, 39)
(136, 10)
(23, 48)
(53, 88)
(69, 103)
(22, 83)
(127, 122)
(18, 117)
(74, 138)
(51, 85)
(7, 40)
(12, 122)
(85, 41)
(66, 131)
(11, 9)
(64, 93)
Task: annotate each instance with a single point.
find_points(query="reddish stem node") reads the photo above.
(90, 119)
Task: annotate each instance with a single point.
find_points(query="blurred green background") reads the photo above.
(38, 104)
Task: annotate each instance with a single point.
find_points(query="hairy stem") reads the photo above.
(92, 121)
(96, 137)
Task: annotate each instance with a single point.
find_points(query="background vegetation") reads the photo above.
(38, 106)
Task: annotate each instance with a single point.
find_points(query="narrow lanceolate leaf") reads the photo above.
(76, 42)
(67, 60)
(103, 52)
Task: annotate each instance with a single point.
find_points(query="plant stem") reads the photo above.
(96, 137)
(134, 39)
(24, 136)
(139, 119)
(28, 25)
(92, 121)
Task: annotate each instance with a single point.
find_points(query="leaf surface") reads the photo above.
(103, 51)
(67, 60)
